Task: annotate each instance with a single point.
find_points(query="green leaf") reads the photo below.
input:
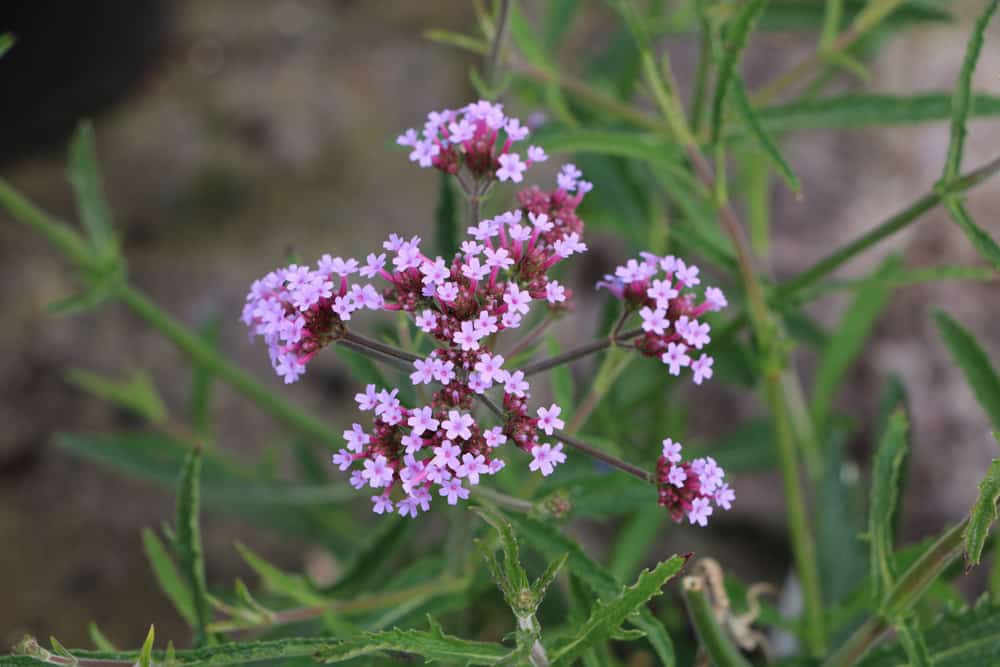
(983, 514)
(967, 638)
(608, 615)
(561, 378)
(146, 654)
(85, 176)
(189, 551)
(98, 639)
(295, 586)
(542, 583)
(849, 339)
(558, 19)
(809, 15)
(842, 556)
(201, 385)
(432, 646)
(553, 544)
(137, 394)
(761, 136)
(446, 215)
(972, 359)
(634, 540)
(961, 101)
(734, 40)
(167, 575)
(7, 41)
(620, 143)
(514, 574)
(525, 38)
(912, 640)
(886, 472)
(859, 110)
(983, 242)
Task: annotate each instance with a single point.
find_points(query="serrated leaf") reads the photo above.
(886, 472)
(542, 583)
(551, 543)
(983, 514)
(849, 339)
(972, 359)
(734, 40)
(968, 638)
(169, 577)
(294, 586)
(85, 176)
(434, 645)
(961, 101)
(146, 654)
(763, 139)
(983, 242)
(189, 551)
(859, 110)
(608, 615)
(513, 572)
(137, 393)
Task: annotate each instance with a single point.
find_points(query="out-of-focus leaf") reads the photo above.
(983, 514)
(189, 553)
(842, 557)
(146, 654)
(984, 243)
(967, 638)
(972, 359)
(763, 139)
(848, 340)
(169, 577)
(101, 643)
(137, 394)
(620, 143)
(525, 38)
(85, 175)
(431, 645)
(7, 41)
(609, 614)
(561, 378)
(857, 110)
(713, 639)
(558, 19)
(446, 215)
(634, 540)
(734, 40)
(201, 384)
(294, 586)
(886, 472)
(782, 15)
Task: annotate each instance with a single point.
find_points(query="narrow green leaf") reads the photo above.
(189, 551)
(137, 394)
(848, 340)
(169, 577)
(96, 294)
(431, 646)
(101, 643)
(541, 585)
(514, 572)
(912, 640)
(983, 514)
(146, 654)
(983, 242)
(859, 110)
(527, 41)
(961, 101)
(295, 586)
(972, 359)
(608, 615)
(59, 649)
(886, 471)
(634, 540)
(713, 638)
(842, 556)
(558, 20)
(446, 215)
(85, 176)
(7, 41)
(553, 544)
(457, 40)
(965, 638)
(202, 382)
(620, 143)
(763, 139)
(734, 40)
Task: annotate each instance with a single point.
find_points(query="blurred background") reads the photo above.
(234, 132)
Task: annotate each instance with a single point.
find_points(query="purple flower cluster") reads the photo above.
(689, 488)
(659, 288)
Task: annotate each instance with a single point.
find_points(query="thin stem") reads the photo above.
(503, 500)
(61, 235)
(531, 337)
(579, 352)
(493, 59)
(611, 367)
(204, 355)
(395, 362)
(600, 455)
(711, 636)
(908, 590)
(885, 229)
(380, 347)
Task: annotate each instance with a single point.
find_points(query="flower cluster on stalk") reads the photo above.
(411, 454)
(690, 488)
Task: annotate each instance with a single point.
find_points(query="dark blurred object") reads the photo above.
(71, 60)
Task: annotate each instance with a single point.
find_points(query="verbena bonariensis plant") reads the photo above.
(448, 385)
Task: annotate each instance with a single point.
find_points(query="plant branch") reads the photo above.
(493, 59)
(601, 455)
(382, 348)
(579, 352)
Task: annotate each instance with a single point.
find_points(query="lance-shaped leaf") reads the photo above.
(146, 654)
(188, 544)
(979, 237)
(912, 640)
(886, 473)
(171, 581)
(513, 574)
(608, 615)
(85, 176)
(137, 394)
(983, 514)
(972, 359)
(761, 136)
(294, 586)
(734, 41)
(431, 645)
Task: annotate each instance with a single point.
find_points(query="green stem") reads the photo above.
(502, 499)
(202, 354)
(59, 234)
(579, 352)
(894, 224)
(713, 638)
(600, 455)
(493, 59)
(908, 590)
